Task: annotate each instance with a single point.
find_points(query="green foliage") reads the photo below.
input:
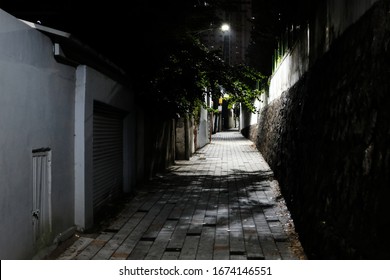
(192, 71)
(244, 85)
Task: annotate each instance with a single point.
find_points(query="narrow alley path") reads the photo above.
(221, 204)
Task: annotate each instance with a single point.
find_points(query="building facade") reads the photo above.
(67, 136)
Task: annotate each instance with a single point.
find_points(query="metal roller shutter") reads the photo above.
(107, 154)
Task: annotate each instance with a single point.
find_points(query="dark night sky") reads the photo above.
(123, 31)
(133, 34)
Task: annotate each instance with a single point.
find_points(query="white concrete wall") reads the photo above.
(90, 86)
(230, 119)
(36, 110)
(44, 104)
(203, 137)
(248, 118)
(295, 63)
(315, 40)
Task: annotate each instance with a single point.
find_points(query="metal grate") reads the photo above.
(107, 154)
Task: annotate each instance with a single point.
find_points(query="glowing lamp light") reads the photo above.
(225, 27)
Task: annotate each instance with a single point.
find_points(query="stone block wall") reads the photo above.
(328, 141)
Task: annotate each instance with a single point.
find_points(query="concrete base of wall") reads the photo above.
(48, 250)
(185, 142)
(250, 132)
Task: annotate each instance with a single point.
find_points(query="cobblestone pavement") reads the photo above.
(221, 204)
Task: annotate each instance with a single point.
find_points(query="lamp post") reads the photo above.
(225, 29)
(226, 42)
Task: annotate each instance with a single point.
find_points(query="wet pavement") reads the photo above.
(221, 204)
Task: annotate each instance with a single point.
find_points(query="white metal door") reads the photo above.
(41, 212)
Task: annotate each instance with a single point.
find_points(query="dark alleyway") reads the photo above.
(221, 204)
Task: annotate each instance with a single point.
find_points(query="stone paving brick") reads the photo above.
(177, 239)
(106, 252)
(159, 246)
(236, 241)
(140, 251)
(77, 247)
(190, 247)
(221, 245)
(252, 244)
(170, 255)
(95, 246)
(131, 209)
(270, 249)
(221, 204)
(285, 250)
(159, 221)
(206, 243)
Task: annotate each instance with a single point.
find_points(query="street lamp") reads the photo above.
(225, 27)
(210, 41)
(226, 42)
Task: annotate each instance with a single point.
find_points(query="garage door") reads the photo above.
(107, 154)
